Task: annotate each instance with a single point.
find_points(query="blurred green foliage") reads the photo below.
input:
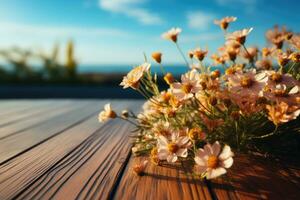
(18, 69)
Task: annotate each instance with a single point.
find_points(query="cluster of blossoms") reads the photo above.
(257, 93)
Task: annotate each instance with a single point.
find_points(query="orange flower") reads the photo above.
(239, 36)
(267, 51)
(224, 22)
(107, 113)
(282, 58)
(277, 36)
(139, 168)
(169, 78)
(295, 41)
(157, 56)
(196, 134)
(172, 34)
(218, 59)
(295, 57)
(133, 77)
(199, 54)
(250, 54)
(282, 113)
(264, 64)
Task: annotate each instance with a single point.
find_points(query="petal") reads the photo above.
(181, 141)
(162, 141)
(182, 153)
(201, 161)
(226, 153)
(227, 163)
(176, 85)
(201, 153)
(208, 149)
(107, 107)
(162, 154)
(216, 147)
(214, 173)
(172, 158)
(294, 90)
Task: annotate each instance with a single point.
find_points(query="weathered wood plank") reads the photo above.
(11, 107)
(40, 116)
(81, 162)
(89, 171)
(19, 143)
(254, 177)
(160, 182)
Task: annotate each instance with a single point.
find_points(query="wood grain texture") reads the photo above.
(17, 144)
(253, 177)
(35, 118)
(81, 162)
(160, 182)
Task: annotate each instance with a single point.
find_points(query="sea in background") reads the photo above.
(123, 69)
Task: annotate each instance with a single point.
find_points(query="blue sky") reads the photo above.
(119, 31)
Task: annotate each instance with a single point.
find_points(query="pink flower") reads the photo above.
(239, 36)
(224, 22)
(212, 162)
(188, 87)
(211, 124)
(170, 150)
(246, 84)
(282, 113)
(172, 34)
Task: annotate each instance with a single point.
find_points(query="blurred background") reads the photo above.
(82, 48)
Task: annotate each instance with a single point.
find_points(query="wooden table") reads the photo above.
(56, 149)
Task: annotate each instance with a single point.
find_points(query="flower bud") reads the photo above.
(125, 114)
(157, 56)
(215, 74)
(140, 168)
(196, 134)
(169, 78)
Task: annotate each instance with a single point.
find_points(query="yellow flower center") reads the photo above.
(187, 88)
(195, 133)
(246, 82)
(276, 77)
(280, 92)
(224, 25)
(173, 148)
(112, 114)
(212, 162)
(230, 71)
(241, 39)
(174, 38)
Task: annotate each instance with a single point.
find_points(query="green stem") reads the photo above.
(267, 135)
(292, 67)
(128, 121)
(182, 54)
(162, 69)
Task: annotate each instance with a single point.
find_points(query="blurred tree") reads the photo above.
(52, 69)
(70, 61)
(18, 59)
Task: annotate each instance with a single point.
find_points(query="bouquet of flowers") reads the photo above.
(200, 117)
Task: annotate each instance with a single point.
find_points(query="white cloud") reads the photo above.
(57, 31)
(200, 20)
(131, 8)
